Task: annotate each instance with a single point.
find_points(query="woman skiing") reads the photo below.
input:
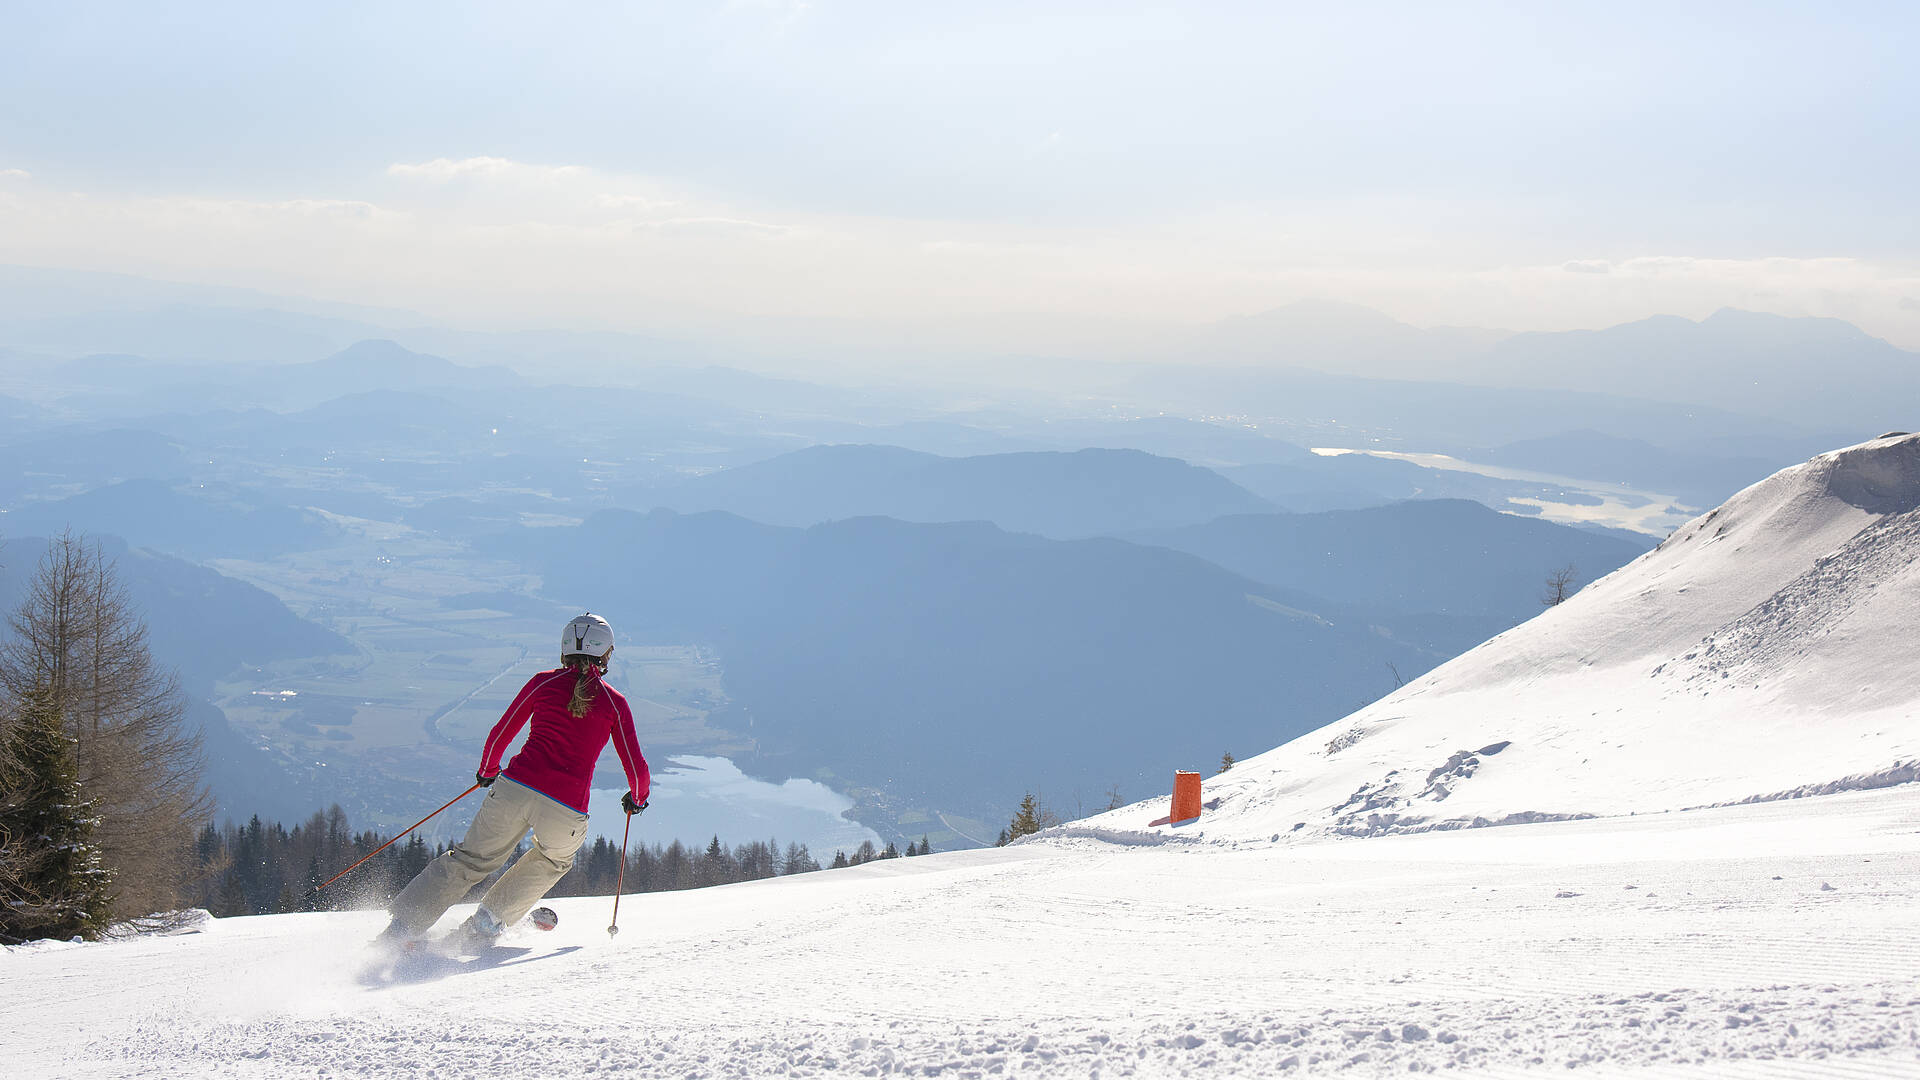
(573, 713)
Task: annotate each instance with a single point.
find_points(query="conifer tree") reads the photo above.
(799, 860)
(1026, 820)
(839, 860)
(52, 881)
(1226, 761)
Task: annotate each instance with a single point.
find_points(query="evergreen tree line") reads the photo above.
(265, 868)
(100, 781)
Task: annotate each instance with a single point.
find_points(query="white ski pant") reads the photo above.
(505, 815)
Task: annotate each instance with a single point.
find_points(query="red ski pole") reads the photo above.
(315, 891)
(620, 881)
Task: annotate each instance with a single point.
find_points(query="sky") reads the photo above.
(1006, 176)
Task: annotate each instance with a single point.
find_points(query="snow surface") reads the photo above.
(1779, 939)
(1330, 914)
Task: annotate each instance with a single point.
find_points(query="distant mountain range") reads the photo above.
(16, 414)
(204, 523)
(951, 664)
(1699, 479)
(1808, 371)
(1060, 495)
(1442, 556)
(126, 383)
(1353, 481)
(1804, 371)
(86, 459)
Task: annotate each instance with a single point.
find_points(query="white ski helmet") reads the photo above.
(587, 635)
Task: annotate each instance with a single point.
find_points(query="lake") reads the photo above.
(697, 798)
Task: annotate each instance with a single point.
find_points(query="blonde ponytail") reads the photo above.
(586, 683)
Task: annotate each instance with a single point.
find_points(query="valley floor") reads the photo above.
(1776, 940)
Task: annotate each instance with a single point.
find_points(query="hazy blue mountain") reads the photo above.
(460, 517)
(944, 438)
(1442, 556)
(71, 458)
(121, 387)
(1810, 371)
(381, 365)
(1638, 541)
(1197, 441)
(200, 522)
(465, 440)
(1806, 371)
(1062, 495)
(28, 292)
(133, 384)
(1698, 479)
(1331, 336)
(17, 415)
(195, 334)
(1352, 481)
(1443, 417)
(960, 663)
(199, 621)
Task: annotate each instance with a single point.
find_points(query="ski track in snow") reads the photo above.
(1777, 939)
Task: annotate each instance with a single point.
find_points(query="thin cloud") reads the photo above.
(326, 208)
(15, 174)
(441, 170)
(992, 248)
(609, 201)
(712, 224)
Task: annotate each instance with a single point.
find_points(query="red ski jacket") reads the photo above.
(558, 758)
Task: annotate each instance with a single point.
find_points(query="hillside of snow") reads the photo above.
(1764, 650)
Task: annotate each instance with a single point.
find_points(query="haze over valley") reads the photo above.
(877, 585)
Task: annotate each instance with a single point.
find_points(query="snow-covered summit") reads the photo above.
(1763, 650)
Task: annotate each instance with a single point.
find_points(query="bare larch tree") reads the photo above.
(1560, 585)
(77, 643)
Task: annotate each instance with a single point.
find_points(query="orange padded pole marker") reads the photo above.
(1186, 796)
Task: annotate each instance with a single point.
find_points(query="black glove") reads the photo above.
(631, 807)
(485, 781)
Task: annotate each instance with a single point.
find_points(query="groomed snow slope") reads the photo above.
(1764, 650)
(1777, 940)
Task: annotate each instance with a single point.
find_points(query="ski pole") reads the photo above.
(620, 881)
(315, 891)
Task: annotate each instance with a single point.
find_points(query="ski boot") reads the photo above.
(480, 931)
(396, 938)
